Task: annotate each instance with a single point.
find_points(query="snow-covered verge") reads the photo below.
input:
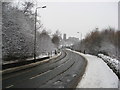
(14, 69)
(112, 63)
(15, 61)
(27, 59)
(97, 74)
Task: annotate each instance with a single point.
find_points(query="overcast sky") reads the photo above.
(83, 17)
(75, 16)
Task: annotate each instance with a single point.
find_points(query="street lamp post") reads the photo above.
(80, 39)
(80, 35)
(35, 32)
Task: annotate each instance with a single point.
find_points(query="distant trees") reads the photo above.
(118, 43)
(56, 38)
(105, 41)
(44, 43)
(92, 41)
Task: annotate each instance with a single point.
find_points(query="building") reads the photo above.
(64, 37)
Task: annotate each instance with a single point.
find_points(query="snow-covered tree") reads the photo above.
(56, 40)
(44, 43)
(17, 35)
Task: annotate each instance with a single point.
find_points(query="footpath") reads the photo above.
(97, 74)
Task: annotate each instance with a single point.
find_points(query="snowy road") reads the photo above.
(64, 71)
(98, 74)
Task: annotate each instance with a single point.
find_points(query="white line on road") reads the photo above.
(9, 86)
(48, 70)
(40, 74)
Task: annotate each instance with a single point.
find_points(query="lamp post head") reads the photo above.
(40, 7)
(44, 7)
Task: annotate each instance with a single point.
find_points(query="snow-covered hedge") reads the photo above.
(112, 63)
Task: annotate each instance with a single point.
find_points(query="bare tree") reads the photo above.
(17, 34)
(27, 7)
(105, 41)
(44, 43)
(56, 39)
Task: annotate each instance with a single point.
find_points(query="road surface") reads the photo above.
(62, 72)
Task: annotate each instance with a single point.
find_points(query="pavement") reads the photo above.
(64, 71)
(98, 74)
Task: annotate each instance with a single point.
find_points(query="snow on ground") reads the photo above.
(97, 74)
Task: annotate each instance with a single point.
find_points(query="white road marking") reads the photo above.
(40, 74)
(48, 70)
(10, 86)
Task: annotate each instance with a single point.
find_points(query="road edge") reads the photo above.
(10, 70)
